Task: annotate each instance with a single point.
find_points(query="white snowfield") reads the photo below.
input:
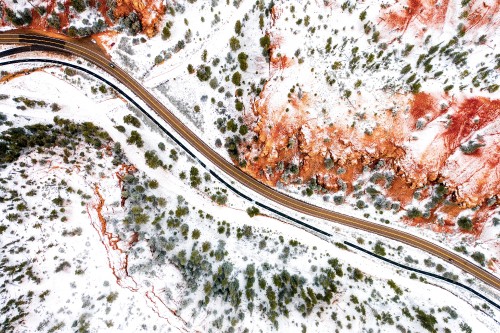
(115, 279)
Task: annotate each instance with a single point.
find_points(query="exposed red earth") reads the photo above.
(150, 13)
(287, 136)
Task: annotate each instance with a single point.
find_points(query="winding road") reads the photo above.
(91, 53)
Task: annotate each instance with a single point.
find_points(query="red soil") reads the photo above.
(424, 104)
(286, 137)
(426, 12)
(463, 124)
(481, 13)
(150, 13)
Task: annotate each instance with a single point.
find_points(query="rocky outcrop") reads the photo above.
(139, 16)
(423, 139)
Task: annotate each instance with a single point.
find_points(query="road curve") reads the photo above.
(66, 45)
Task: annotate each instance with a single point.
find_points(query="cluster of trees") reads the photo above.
(64, 133)
(136, 139)
(73, 31)
(252, 211)
(20, 18)
(30, 103)
(152, 159)
(133, 23)
(165, 33)
(194, 176)
(79, 5)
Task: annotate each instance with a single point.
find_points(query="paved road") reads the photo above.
(91, 54)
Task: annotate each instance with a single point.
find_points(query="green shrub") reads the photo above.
(135, 138)
(395, 287)
(465, 223)
(379, 249)
(265, 43)
(165, 33)
(479, 258)
(173, 155)
(152, 159)
(428, 321)
(79, 5)
(238, 105)
(252, 211)
(406, 69)
(237, 27)
(131, 120)
(153, 184)
(243, 129)
(195, 178)
(205, 247)
(236, 78)
(413, 212)
(196, 234)
(203, 72)
(234, 43)
(242, 59)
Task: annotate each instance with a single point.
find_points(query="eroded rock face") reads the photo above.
(150, 13)
(310, 130)
(71, 17)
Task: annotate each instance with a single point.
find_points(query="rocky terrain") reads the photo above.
(397, 91)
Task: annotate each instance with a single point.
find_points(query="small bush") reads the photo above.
(234, 43)
(112, 297)
(395, 287)
(237, 27)
(413, 212)
(63, 266)
(379, 249)
(152, 159)
(479, 258)
(465, 223)
(236, 79)
(135, 138)
(131, 120)
(203, 73)
(252, 211)
(79, 5)
(196, 234)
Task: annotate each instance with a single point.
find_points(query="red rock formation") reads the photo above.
(423, 146)
(425, 12)
(150, 13)
(481, 13)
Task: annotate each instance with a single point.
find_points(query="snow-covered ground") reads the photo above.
(332, 34)
(116, 273)
(349, 78)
